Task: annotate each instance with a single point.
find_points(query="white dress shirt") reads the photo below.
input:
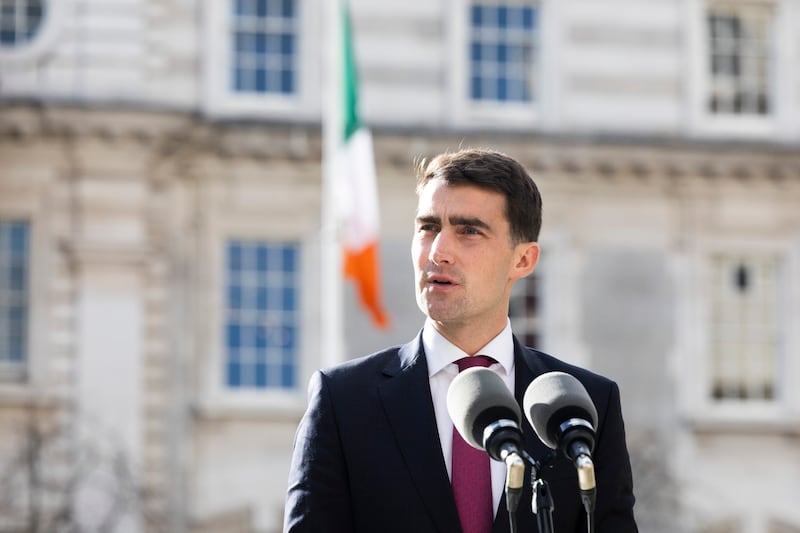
(442, 355)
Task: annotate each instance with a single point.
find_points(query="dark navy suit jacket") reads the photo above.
(367, 456)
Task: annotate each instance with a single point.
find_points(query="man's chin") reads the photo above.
(439, 315)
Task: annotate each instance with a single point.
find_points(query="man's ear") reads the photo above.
(527, 258)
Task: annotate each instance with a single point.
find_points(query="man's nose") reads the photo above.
(441, 249)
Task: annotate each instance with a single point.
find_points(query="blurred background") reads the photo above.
(161, 253)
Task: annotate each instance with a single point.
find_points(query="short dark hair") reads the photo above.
(494, 171)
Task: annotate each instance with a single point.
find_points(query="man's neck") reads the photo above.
(470, 338)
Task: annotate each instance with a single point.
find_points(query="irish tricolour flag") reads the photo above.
(356, 190)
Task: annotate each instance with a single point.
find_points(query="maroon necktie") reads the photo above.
(472, 478)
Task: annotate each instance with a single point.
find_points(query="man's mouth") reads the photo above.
(440, 281)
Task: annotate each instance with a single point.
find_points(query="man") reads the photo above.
(376, 452)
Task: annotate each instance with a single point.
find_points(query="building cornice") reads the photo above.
(608, 156)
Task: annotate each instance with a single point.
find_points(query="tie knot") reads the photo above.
(475, 360)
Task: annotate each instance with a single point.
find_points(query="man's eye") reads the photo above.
(470, 231)
(427, 227)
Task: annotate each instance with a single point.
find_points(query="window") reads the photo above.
(262, 315)
(14, 252)
(524, 311)
(20, 21)
(502, 51)
(744, 327)
(739, 59)
(261, 59)
(264, 46)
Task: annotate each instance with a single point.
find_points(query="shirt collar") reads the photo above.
(440, 352)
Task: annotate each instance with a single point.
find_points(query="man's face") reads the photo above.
(464, 260)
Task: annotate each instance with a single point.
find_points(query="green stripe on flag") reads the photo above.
(352, 122)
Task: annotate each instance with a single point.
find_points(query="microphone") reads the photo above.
(564, 418)
(487, 416)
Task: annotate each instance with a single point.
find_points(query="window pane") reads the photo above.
(739, 59)
(20, 21)
(261, 375)
(528, 18)
(239, 83)
(14, 264)
(476, 18)
(744, 328)
(287, 375)
(289, 260)
(287, 81)
(262, 314)
(234, 377)
(261, 81)
(234, 337)
(242, 7)
(524, 310)
(264, 49)
(501, 48)
(502, 16)
(287, 44)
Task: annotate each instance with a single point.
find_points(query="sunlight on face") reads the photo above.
(464, 258)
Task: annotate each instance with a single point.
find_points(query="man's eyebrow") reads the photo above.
(455, 220)
(428, 219)
(458, 220)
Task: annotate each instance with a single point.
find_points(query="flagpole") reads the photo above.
(331, 290)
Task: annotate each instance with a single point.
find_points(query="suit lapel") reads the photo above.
(407, 402)
(527, 368)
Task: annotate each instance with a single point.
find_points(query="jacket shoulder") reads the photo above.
(595, 384)
(367, 363)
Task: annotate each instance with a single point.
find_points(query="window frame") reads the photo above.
(25, 5)
(24, 383)
(722, 297)
(721, 13)
(43, 42)
(217, 398)
(220, 100)
(249, 27)
(693, 348)
(17, 371)
(483, 35)
(228, 311)
(530, 323)
(469, 113)
(777, 123)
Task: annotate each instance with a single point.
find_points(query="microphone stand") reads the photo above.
(542, 500)
(542, 505)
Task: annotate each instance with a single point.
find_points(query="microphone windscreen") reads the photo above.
(476, 398)
(553, 398)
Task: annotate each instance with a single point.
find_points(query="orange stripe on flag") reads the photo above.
(362, 267)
